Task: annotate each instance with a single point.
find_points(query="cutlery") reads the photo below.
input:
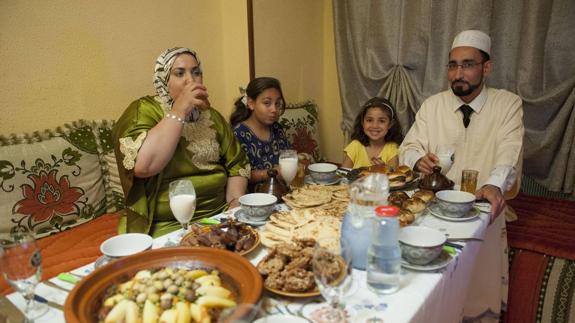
(54, 305)
(54, 285)
(464, 239)
(454, 245)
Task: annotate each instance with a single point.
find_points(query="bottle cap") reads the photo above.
(386, 211)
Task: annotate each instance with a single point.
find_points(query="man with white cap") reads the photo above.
(483, 125)
(485, 128)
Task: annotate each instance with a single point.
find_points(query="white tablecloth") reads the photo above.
(438, 296)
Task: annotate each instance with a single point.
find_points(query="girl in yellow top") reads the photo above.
(376, 136)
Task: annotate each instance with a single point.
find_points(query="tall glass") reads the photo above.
(183, 202)
(20, 262)
(288, 165)
(331, 265)
(469, 180)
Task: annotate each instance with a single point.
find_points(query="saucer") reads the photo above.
(472, 214)
(309, 180)
(440, 262)
(241, 216)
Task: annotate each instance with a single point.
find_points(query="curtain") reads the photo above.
(399, 49)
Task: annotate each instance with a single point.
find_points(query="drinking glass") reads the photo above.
(469, 180)
(182, 202)
(288, 164)
(331, 263)
(20, 261)
(445, 155)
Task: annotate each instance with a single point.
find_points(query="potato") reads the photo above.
(209, 280)
(151, 312)
(214, 301)
(132, 312)
(118, 313)
(199, 313)
(213, 291)
(183, 310)
(169, 316)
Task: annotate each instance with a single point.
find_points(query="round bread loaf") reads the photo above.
(405, 170)
(414, 204)
(396, 179)
(397, 198)
(425, 195)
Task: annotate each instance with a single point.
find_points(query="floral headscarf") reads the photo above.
(162, 72)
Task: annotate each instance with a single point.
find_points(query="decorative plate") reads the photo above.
(440, 262)
(472, 214)
(206, 228)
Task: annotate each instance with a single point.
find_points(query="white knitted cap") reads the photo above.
(473, 38)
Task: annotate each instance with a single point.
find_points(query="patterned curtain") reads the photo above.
(398, 49)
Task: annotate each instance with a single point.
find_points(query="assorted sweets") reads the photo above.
(398, 177)
(410, 207)
(168, 295)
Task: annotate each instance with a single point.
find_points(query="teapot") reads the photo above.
(273, 185)
(436, 181)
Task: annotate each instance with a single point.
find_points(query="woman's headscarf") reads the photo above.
(162, 72)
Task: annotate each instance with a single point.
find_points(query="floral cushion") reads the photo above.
(51, 180)
(113, 187)
(301, 124)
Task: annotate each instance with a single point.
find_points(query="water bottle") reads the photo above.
(365, 195)
(384, 254)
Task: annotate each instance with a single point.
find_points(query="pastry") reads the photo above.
(414, 204)
(425, 195)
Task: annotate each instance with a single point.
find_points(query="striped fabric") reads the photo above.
(162, 72)
(530, 186)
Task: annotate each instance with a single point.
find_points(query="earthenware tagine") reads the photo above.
(436, 181)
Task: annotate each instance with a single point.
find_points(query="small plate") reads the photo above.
(472, 214)
(243, 253)
(241, 216)
(440, 262)
(310, 180)
(295, 295)
(281, 318)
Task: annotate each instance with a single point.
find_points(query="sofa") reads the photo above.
(63, 185)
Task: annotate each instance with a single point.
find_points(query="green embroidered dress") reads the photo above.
(207, 154)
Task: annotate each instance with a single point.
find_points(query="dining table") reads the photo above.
(434, 294)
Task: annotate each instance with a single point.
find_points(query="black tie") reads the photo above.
(467, 111)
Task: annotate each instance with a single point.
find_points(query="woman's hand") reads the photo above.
(192, 95)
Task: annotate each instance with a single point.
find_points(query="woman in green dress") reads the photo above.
(176, 135)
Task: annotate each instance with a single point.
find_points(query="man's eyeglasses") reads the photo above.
(452, 66)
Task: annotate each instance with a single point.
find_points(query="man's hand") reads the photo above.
(492, 194)
(426, 163)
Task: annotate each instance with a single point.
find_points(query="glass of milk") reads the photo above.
(288, 165)
(182, 201)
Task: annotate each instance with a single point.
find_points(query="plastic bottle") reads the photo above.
(384, 254)
(365, 195)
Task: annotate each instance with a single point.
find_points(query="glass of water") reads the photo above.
(20, 262)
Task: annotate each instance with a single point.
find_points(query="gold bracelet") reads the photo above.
(175, 117)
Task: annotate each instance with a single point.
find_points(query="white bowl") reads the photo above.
(126, 244)
(454, 203)
(258, 206)
(322, 172)
(420, 245)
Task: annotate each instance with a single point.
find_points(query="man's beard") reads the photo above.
(459, 89)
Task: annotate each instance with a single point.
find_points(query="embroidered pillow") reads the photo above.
(301, 124)
(113, 187)
(50, 180)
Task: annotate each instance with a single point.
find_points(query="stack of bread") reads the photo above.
(410, 207)
(398, 178)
